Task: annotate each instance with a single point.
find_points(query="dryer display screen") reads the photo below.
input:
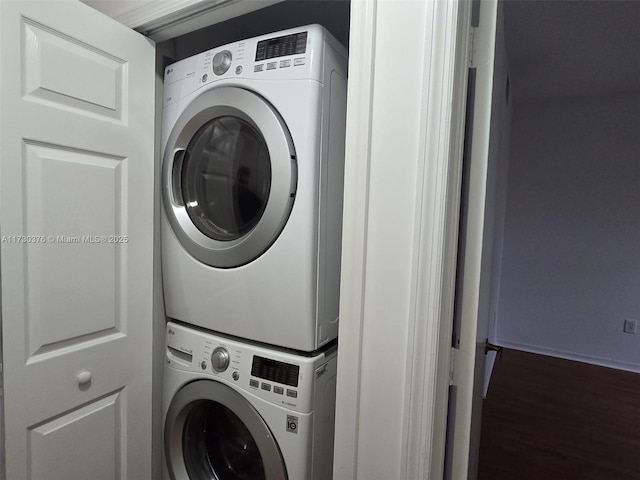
(281, 46)
(274, 371)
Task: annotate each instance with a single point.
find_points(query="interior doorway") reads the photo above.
(563, 186)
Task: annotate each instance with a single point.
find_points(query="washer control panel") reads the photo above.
(275, 371)
(280, 377)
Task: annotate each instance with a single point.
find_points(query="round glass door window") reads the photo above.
(226, 178)
(212, 432)
(229, 177)
(217, 445)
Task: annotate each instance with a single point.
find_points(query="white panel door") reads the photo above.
(469, 353)
(76, 213)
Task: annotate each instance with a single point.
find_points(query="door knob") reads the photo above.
(84, 377)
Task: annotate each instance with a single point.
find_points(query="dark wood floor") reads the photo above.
(546, 418)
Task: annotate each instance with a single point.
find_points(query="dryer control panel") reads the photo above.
(294, 44)
(293, 54)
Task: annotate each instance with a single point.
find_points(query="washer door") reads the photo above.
(229, 177)
(213, 432)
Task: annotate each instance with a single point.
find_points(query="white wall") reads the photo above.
(571, 264)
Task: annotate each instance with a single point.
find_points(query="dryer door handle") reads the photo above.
(176, 176)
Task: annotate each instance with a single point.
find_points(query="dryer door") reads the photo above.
(229, 177)
(213, 432)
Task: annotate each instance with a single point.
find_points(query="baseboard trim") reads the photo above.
(603, 362)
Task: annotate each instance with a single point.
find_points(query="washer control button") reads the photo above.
(299, 61)
(278, 390)
(203, 365)
(258, 68)
(292, 393)
(285, 63)
(236, 376)
(221, 62)
(266, 386)
(220, 359)
(253, 383)
(272, 65)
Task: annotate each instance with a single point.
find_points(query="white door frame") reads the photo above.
(399, 239)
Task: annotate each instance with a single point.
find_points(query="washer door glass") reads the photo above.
(218, 445)
(226, 178)
(212, 432)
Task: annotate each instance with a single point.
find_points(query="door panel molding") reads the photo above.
(56, 438)
(91, 82)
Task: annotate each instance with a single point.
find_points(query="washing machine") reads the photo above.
(253, 161)
(239, 411)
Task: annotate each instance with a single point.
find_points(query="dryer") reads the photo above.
(252, 177)
(234, 410)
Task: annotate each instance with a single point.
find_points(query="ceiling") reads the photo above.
(559, 48)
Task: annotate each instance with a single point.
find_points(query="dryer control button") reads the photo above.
(254, 383)
(221, 62)
(220, 359)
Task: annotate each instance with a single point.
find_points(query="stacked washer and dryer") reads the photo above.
(252, 176)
